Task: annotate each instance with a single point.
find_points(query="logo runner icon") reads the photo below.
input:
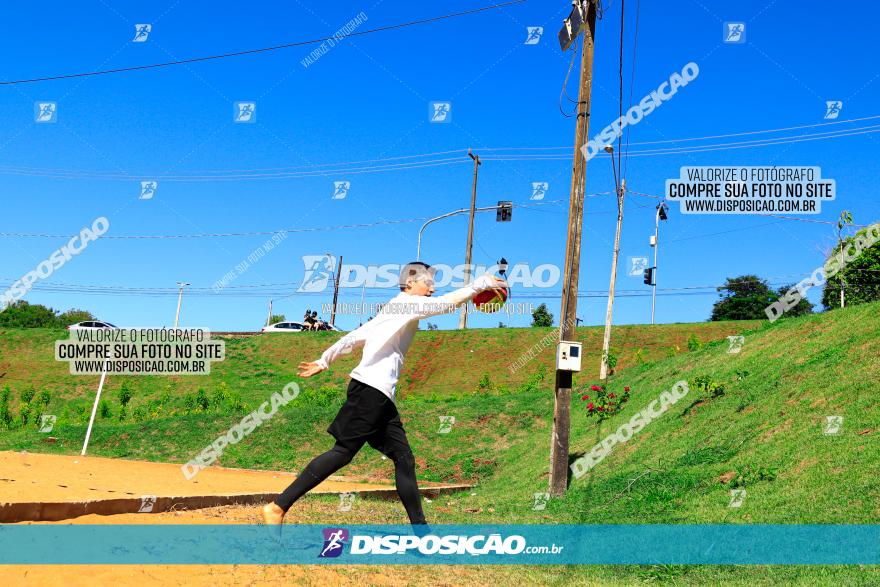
(334, 541)
(318, 270)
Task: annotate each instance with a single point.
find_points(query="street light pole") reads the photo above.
(620, 188)
(661, 215)
(336, 291)
(181, 285)
(441, 217)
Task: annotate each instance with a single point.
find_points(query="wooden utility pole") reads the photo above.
(606, 341)
(462, 321)
(562, 403)
(336, 291)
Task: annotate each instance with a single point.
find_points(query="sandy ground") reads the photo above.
(28, 477)
(317, 576)
(368, 511)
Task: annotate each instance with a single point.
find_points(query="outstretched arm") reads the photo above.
(426, 306)
(343, 346)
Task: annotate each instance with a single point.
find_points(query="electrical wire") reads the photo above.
(419, 161)
(564, 90)
(258, 233)
(255, 51)
(632, 79)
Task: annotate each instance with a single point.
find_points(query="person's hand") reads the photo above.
(308, 369)
(488, 281)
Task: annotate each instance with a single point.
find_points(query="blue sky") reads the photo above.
(368, 98)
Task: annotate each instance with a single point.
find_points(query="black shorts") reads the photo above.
(369, 416)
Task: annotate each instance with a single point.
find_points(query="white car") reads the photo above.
(91, 325)
(284, 327)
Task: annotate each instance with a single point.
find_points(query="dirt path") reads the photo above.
(25, 477)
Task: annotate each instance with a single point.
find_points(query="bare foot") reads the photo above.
(273, 517)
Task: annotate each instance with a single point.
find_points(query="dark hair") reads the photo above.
(409, 270)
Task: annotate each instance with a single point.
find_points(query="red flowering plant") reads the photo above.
(602, 403)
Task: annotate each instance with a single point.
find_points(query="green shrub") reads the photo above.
(694, 343)
(6, 420)
(707, 387)
(324, 395)
(751, 475)
(124, 394)
(201, 399)
(611, 358)
(227, 401)
(27, 395)
(639, 356)
(82, 413)
(104, 410)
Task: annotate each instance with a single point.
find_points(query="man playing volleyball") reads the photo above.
(369, 414)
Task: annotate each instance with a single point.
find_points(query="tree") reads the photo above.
(541, 316)
(845, 220)
(74, 316)
(743, 298)
(803, 307)
(276, 318)
(860, 277)
(21, 314)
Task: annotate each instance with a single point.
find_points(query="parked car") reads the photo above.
(91, 324)
(284, 327)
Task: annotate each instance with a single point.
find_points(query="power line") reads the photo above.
(258, 233)
(261, 50)
(62, 174)
(426, 160)
(632, 79)
(620, 101)
(703, 148)
(721, 136)
(219, 234)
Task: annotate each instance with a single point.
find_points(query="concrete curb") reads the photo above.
(56, 511)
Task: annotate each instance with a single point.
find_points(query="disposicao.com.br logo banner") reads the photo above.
(780, 544)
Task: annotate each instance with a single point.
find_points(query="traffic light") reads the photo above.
(649, 276)
(661, 210)
(504, 211)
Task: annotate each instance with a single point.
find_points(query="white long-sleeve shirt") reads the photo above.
(388, 336)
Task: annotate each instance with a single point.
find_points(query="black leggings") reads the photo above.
(324, 465)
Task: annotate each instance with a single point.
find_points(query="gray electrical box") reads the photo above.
(568, 356)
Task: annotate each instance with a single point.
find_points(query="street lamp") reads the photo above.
(181, 285)
(619, 189)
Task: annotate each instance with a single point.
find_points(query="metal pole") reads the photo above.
(606, 341)
(269, 317)
(179, 300)
(462, 321)
(656, 247)
(562, 395)
(94, 411)
(336, 291)
(441, 217)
